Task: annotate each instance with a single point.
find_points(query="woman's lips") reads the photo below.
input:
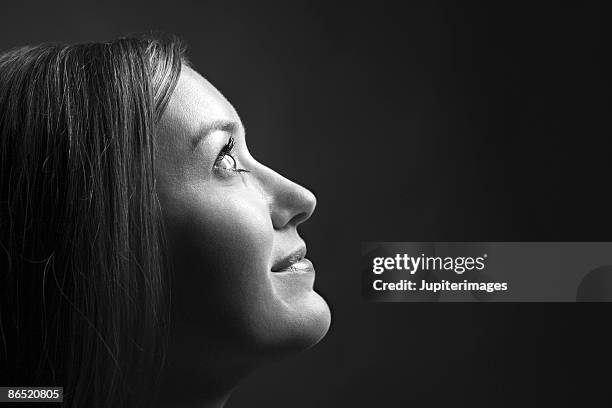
(303, 265)
(294, 273)
(298, 278)
(294, 261)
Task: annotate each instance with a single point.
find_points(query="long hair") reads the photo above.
(83, 280)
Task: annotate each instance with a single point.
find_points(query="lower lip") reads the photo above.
(301, 266)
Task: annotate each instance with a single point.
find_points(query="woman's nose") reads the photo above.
(292, 204)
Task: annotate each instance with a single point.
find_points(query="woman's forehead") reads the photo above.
(194, 103)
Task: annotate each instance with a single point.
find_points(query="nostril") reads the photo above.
(299, 218)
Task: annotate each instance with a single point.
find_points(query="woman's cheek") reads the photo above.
(227, 239)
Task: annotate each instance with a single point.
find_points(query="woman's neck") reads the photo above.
(204, 402)
(203, 397)
(189, 386)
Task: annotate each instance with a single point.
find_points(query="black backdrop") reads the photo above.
(425, 122)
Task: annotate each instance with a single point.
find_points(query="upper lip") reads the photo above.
(290, 259)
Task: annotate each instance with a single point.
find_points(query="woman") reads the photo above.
(144, 248)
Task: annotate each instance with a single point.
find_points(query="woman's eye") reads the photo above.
(226, 161)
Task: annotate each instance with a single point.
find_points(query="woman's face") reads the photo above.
(243, 290)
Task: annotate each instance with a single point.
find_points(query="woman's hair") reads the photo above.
(83, 280)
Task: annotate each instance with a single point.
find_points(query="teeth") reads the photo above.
(302, 264)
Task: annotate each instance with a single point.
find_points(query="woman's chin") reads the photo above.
(315, 317)
(307, 321)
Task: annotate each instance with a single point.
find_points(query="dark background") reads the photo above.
(427, 122)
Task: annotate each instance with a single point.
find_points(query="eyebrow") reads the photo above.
(216, 125)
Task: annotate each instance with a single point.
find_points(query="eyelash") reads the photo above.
(228, 150)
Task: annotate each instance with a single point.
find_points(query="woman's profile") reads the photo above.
(147, 258)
